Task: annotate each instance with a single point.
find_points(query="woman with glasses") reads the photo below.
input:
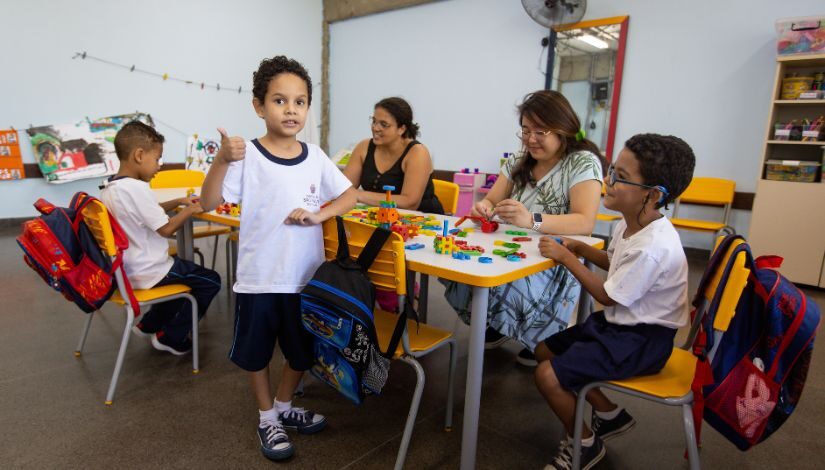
(393, 157)
(552, 187)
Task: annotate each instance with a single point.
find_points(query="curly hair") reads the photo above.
(403, 114)
(134, 135)
(270, 68)
(551, 109)
(664, 160)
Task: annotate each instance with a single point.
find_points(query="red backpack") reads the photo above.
(62, 250)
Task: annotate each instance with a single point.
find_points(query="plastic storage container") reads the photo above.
(800, 35)
(791, 170)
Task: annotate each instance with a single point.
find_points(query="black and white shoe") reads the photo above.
(564, 457)
(303, 421)
(493, 339)
(610, 428)
(527, 358)
(275, 443)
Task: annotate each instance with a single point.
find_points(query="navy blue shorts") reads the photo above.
(260, 320)
(597, 351)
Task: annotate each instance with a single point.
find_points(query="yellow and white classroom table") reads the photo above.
(471, 272)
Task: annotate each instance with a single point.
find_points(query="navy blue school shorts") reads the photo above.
(597, 351)
(263, 319)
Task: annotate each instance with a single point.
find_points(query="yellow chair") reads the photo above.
(447, 194)
(703, 191)
(190, 179)
(388, 272)
(609, 219)
(97, 219)
(671, 386)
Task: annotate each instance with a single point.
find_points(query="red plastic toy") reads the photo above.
(487, 226)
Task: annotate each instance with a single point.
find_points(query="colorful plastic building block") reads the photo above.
(485, 260)
(515, 232)
(487, 226)
(414, 246)
(522, 239)
(513, 258)
(506, 244)
(461, 255)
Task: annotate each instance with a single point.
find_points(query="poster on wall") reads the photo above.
(11, 162)
(80, 150)
(200, 152)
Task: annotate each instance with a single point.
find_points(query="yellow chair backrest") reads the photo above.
(447, 194)
(178, 179)
(97, 219)
(388, 271)
(711, 191)
(737, 279)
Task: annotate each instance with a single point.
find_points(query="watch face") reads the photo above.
(537, 217)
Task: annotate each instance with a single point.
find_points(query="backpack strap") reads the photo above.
(372, 248)
(343, 246)
(406, 312)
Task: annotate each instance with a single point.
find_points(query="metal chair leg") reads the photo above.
(195, 357)
(83, 334)
(578, 426)
(124, 342)
(214, 251)
(448, 421)
(416, 402)
(690, 437)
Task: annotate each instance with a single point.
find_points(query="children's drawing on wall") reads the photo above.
(84, 149)
(200, 152)
(11, 162)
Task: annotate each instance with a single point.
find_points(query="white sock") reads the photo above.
(589, 441)
(608, 415)
(282, 406)
(269, 416)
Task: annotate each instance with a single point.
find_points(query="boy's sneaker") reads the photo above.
(493, 339)
(564, 458)
(610, 428)
(527, 358)
(275, 444)
(160, 343)
(140, 332)
(303, 421)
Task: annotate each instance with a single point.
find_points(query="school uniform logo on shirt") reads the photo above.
(312, 199)
(312, 188)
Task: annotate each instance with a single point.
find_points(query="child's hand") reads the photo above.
(573, 245)
(302, 217)
(482, 208)
(550, 248)
(232, 148)
(194, 208)
(514, 212)
(188, 201)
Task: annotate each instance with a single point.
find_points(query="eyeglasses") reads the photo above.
(612, 180)
(381, 124)
(525, 134)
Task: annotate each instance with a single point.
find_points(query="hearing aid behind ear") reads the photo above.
(664, 194)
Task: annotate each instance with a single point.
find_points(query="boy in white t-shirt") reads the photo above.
(147, 262)
(282, 184)
(645, 294)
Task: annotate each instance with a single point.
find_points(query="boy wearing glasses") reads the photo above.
(645, 294)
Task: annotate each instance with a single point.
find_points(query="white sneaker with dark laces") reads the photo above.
(564, 457)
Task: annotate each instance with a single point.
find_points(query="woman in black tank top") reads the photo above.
(393, 157)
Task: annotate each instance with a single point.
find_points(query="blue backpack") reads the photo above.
(337, 308)
(761, 362)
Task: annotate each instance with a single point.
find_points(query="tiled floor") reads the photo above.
(52, 413)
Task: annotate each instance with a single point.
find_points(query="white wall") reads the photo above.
(209, 40)
(701, 70)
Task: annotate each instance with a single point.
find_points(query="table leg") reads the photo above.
(423, 297)
(585, 300)
(185, 238)
(475, 367)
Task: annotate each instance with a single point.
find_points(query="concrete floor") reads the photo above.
(52, 413)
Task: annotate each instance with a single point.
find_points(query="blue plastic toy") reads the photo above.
(514, 258)
(414, 246)
(485, 260)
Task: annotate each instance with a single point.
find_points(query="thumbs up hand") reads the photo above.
(232, 149)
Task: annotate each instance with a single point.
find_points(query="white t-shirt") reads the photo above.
(138, 212)
(648, 276)
(275, 257)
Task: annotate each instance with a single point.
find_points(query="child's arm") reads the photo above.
(344, 203)
(588, 252)
(232, 149)
(177, 220)
(174, 203)
(588, 279)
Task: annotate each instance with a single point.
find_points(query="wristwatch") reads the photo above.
(537, 220)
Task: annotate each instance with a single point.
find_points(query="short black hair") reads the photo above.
(270, 68)
(134, 135)
(664, 160)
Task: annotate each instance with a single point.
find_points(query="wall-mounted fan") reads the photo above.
(549, 13)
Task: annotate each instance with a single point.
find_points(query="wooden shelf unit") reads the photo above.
(788, 218)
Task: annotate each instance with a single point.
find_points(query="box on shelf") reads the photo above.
(791, 170)
(813, 132)
(787, 131)
(793, 87)
(800, 35)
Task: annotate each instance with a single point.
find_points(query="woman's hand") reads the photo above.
(302, 217)
(514, 212)
(483, 208)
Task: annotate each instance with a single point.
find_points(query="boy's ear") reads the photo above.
(138, 155)
(259, 107)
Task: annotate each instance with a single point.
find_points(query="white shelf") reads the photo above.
(799, 101)
(797, 142)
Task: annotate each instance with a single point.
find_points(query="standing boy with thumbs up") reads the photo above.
(282, 184)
